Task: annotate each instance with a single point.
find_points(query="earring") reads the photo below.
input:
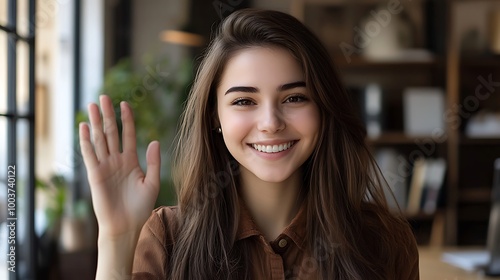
(219, 129)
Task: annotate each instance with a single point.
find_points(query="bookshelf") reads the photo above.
(437, 29)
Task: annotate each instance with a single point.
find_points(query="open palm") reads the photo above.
(123, 195)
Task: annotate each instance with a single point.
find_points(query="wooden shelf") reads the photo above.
(481, 194)
(394, 138)
(480, 61)
(479, 141)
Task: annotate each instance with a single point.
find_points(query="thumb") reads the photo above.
(153, 161)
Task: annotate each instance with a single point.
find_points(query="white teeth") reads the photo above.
(273, 148)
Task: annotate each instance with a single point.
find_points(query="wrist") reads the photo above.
(116, 254)
(123, 239)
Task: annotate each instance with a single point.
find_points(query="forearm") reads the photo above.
(116, 256)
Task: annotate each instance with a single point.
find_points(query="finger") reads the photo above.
(110, 127)
(153, 161)
(88, 154)
(128, 133)
(100, 145)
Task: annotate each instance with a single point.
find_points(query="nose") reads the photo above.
(271, 120)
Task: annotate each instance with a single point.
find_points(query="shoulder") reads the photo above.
(165, 217)
(162, 224)
(155, 244)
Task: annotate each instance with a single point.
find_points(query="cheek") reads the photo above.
(232, 119)
(306, 121)
(235, 125)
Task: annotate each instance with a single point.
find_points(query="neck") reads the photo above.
(272, 205)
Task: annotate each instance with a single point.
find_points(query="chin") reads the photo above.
(272, 180)
(274, 177)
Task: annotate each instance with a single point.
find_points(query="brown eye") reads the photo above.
(295, 99)
(242, 102)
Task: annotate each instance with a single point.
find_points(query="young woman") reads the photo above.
(274, 178)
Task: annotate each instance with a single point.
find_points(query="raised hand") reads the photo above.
(123, 196)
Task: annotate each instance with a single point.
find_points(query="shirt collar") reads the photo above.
(296, 230)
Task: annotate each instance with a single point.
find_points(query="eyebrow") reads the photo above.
(254, 89)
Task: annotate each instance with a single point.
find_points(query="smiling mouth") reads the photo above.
(273, 148)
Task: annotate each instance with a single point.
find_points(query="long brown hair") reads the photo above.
(347, 211)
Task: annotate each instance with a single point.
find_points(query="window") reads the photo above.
(17, 103)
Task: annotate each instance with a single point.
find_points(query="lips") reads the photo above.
(273, 148)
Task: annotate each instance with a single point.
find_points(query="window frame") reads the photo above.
(26, 253)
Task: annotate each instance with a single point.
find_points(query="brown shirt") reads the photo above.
(283, 258)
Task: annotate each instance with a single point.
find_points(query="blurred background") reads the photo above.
(425, 75)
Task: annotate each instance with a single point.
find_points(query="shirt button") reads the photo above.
(282, 243)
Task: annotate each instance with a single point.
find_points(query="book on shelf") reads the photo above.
(416, 186)
(434, 179)
(373, 110)
(396, 191)
(369, 101)
(425, 186)
(423, 111)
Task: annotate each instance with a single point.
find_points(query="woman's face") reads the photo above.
(269, 122)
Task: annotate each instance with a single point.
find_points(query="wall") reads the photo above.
(149, 19)
(279, 5)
